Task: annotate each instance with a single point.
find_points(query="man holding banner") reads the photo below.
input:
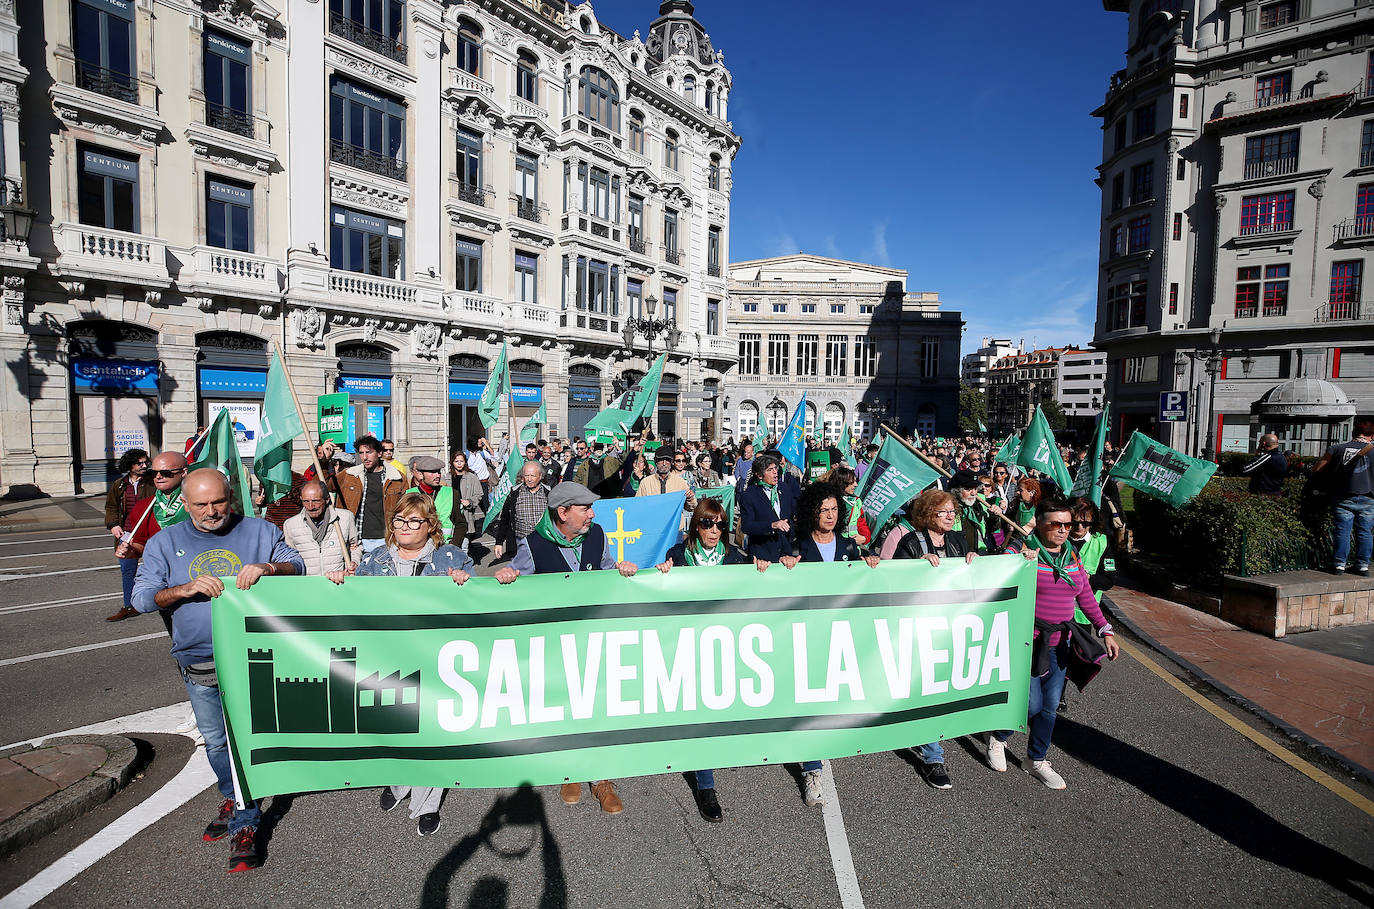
(567, 539)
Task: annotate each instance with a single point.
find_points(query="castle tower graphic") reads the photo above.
(343, 676)
(262, 695)
(338, 703)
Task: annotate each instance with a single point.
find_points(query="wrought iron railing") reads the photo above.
(1274, 167)
(672, 255)
(1343, 310)
(473, 195)
(105, 81)
(361, 35)
(366, 159)
(637, 244)
(1355, 227)
(218, 116)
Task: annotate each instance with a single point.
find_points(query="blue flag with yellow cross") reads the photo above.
(642, 529)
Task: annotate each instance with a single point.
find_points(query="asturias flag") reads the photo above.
(280, 426)
(641, 529)
(793, 444)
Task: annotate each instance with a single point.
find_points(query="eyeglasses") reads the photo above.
(948, 511)
(679, 461)
(168, 474)
(708, 523)
(1057, 525)
(409, 523)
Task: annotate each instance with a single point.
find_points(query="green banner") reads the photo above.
(817, 464)
(332, 410)
(1158, 470)
(591, 676)
(537, 422)
(639, 402)
(1087, 482)
(895, 477)
(281, 424)
(1010, 448)
(498, 384)
(726, 495)
(1040, 452)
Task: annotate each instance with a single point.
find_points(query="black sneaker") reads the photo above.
(426, 824)
(708, 805)
(1360, 572)
(243, 850)
(936, 777)
(216, 829)
(389, 801)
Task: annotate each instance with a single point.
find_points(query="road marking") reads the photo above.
(192, 780)
(89, 536)
(82, 649)
(174, 719)
(48, 574)
(835, 836)
(39, 555)
(1307, 769)
(53, 604)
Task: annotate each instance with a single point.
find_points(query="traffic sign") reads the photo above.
(1173, 406)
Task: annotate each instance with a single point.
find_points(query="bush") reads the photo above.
(1230, 463)
(1226, 530)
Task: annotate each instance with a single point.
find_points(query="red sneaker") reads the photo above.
(243, 851)
(216, 829)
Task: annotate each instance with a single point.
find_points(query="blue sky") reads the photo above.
(950, 140)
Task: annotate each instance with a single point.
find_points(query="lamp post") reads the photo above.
(649, 329)
(1213, 359)
(17, 220)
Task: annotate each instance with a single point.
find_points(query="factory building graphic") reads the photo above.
(340, 703)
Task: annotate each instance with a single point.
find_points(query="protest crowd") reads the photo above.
(527, 503)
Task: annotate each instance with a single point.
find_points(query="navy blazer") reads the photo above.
(757, 517)
(678, 556)
(846, 550)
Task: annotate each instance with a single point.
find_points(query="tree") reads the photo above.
(973, 408)
(1054, 414)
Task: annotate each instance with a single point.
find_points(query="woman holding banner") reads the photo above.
(846, 481)
(414, 547)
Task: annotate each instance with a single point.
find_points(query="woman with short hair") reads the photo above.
(1027, 498)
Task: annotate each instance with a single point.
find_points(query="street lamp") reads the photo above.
(1213, 359)
(649, 329)
(18, 220)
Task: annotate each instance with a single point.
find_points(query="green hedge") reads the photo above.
(1230, 463)
(1206, 538)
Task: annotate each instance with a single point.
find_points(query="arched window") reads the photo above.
(670, 144)
(834, 422)
(748, 419)
(810, 419)
(469, 47)
(636, 132)
(710, 97)
(526, 77)
(713, 174)
(689, 88)
(600, 100)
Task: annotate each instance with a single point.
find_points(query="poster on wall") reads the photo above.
(111, 426)
(332, 412)
(247, 417)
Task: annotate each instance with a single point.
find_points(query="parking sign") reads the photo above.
(1173, 406)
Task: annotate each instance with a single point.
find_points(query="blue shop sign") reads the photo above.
(366, 386)
(472, 391)
(90, 374)
(233, 381)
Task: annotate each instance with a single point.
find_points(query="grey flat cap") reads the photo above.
(428, 462)
(567, 493)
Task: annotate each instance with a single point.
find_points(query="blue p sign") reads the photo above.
(1173, 406)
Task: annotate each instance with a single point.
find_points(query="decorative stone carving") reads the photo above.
(144, 135)
(1317, 188)
(370, 330)
(427, 338)
(366, 68)
(266, 310)
(14, 314)
(204, 304)
(1220, 202)
(152, 297)
(373, 196)
(75, 287)
(309, 325)
(226, 156)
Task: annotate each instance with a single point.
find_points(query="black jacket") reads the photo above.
(678, 556)
(756, 519)
(916, 544)
(846, 550)
(1266, 472)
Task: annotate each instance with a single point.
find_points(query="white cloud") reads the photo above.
(877, 253)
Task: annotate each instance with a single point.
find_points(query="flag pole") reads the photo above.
(314, 456)
(128, 535)
(946, 474)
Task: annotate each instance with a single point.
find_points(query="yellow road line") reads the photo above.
(1307, 769)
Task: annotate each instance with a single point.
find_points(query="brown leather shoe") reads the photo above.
(571, 793)
(125, 612)
(605, 794)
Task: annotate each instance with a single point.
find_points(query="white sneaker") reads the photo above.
(1043, 772)
(997, 754)
(813, 795)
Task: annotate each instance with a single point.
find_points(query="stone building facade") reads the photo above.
(1018, 383)
(386, 191)
(851, 337)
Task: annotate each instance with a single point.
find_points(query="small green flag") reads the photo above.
(982, 427)
(1007, 453)
(895, 477)
(1086, 483)
(280, 426)
(847, 447)
(1040, 452)
(498, 384)
(726, 495)
(760, 437)
(1158, 470)
(540, 419)
(221, 451)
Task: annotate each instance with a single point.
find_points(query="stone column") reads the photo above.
(18, 463)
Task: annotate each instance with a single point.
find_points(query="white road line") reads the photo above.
(47, 574)
(53, 604)
(193, 779)
(89, 536)
(840, 859)
(174, 719)
(82, 649)
(43, 555)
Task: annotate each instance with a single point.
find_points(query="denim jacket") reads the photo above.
(378, 562)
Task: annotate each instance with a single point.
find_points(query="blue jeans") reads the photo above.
(205, 704)
(706, 779)
(808, 766)
(930, 754)
(1354, 513)
(1045, 693)
(128, 570)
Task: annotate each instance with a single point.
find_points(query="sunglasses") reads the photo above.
(987, 486)
(708, 523)
(168, 474)
(1058, 525)
(1082, 523)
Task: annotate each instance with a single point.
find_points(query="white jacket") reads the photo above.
(321, 558)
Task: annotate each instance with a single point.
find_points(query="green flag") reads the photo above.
(1007, 453)
(636, 404)
(847, 447)
(982, 427)
(1090, 471)
(1039, 451)
(895, 477)
(540, 419)
(498, 384)
(280, 426)
(726, 495)
(1158, 470)
(221, 451)
(760, 437)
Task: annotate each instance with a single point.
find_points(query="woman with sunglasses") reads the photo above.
(414, 547)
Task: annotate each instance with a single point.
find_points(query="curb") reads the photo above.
(1240, 700)
(66, 805)
(9, 526)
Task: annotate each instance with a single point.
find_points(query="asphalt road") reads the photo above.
(1166, 806)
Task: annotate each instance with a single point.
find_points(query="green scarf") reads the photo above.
(168, 510)
(546, 529)
(697, 556)
(773, 497)
(851, 503)
(1060, 562)
(1024, 513)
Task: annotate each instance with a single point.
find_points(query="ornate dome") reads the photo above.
(1307, 398)
(675, 32)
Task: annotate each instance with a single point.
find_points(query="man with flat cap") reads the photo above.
(428, 470)
(566, 539)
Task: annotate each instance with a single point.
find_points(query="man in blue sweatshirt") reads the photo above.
(182, 571)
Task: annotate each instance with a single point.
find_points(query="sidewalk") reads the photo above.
(45, 787)
(19, 515)
(1321, 699)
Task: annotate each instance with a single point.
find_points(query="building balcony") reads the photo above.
(361, 35)
(1354, 229)
(217, 116)
(527, 209)
(672, 255)
(469, 193)
(105, 81)
(1344, 311)
(1275, 107)
(532, 317)
(100, 253)
(370, 291)
(99, 98)
(592, 226)
(210, 270)
(1275, 227)
(367, 160)
(1274, 167)
(472, 308)
(1275, 308)
(713, 269)
(638, 244)
(519, 107)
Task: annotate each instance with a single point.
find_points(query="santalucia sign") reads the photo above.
(589, 676)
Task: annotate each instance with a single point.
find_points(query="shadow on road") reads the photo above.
(1224, 813)
(522, 808)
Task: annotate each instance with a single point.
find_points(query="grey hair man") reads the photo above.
(312, 532)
